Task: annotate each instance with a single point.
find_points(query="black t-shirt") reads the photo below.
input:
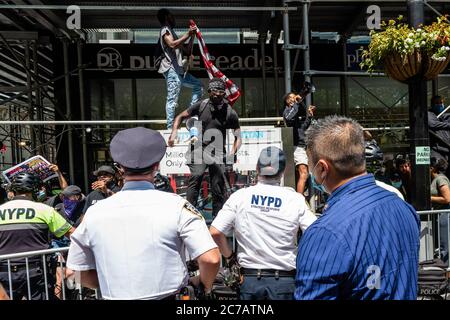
(441, 128)
(220, 119)
(297, 117)
(95, 196)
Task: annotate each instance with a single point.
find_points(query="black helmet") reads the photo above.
(25, 182)
(373, 152)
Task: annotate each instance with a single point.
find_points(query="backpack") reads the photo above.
(432, 278)
(203, 106)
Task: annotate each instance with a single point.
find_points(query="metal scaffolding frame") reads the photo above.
(22, 51)
(65, 37)
(289, 6)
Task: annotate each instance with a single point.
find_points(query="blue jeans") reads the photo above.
(267, 288)
(174, 82)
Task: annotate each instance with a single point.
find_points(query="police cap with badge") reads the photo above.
(137, 149)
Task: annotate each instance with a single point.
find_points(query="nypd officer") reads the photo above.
(133, 243)
(266, 219)
(24, 226)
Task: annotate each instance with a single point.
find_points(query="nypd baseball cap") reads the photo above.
(137, 148)
(271, 161)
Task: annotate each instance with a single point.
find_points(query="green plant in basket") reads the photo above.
(398, 46)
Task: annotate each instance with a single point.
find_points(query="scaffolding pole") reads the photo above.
(38, 99)
(306, 57)
(287, 53)
(262, 42)
(109, 122)
(82, 113)
(30, 93)
(68, 109)
(139, 8)
(275, 71)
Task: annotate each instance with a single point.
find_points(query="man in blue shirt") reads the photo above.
(366, 243)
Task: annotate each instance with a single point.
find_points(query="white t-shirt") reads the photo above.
(266, 219)
(136, 240)
(390, 188)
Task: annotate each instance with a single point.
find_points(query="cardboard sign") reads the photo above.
(36, 165)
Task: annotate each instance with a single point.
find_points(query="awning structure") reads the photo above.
(324, 15)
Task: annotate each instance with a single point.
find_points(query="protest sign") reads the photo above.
(36, 165)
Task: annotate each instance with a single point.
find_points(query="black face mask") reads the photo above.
(110, 184)
(216, 101)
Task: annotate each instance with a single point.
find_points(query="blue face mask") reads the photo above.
(317, 186)
(69, 206)
(396, 184)
(438, 108)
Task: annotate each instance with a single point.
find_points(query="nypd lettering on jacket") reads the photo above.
(17, 213)
(266, 203)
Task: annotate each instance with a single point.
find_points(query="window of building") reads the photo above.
(377, 101)
(149, 36)
(327, 97)
(111, 99)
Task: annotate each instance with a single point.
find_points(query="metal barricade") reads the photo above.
(52, 262)
(434, 234)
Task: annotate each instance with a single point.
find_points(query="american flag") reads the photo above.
(232, 91)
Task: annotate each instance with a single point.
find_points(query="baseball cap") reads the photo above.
(271, 161)
(71, 191)
(137, 148)
(107, 169)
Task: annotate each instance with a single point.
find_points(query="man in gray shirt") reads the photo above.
(172, 64)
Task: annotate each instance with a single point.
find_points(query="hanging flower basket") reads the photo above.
(403, 68)
(435, 67)
(406, 52)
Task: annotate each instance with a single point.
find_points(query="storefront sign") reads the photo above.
(139, 57)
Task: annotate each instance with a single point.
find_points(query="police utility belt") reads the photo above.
(20, 267)
(268, 273)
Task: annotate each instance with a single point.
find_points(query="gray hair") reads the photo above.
(339, 140)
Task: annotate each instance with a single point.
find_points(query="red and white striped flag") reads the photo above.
(232, 92)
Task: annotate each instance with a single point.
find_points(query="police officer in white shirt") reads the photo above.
(266, 219)
(133, 243)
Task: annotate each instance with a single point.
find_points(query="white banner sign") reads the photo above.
(174, 162)
(254, 139)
